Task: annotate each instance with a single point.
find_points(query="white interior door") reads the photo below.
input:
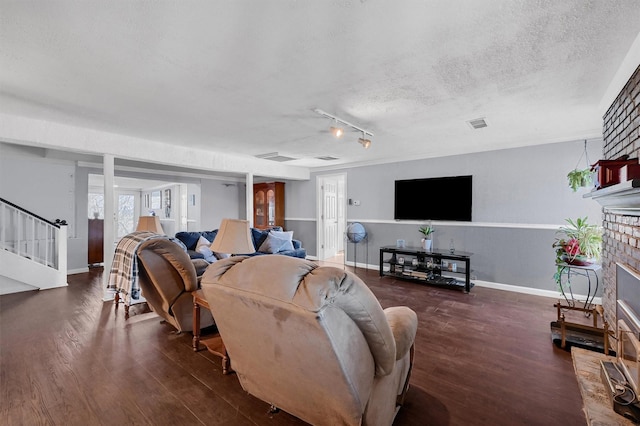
(331, 215)
(342, 213)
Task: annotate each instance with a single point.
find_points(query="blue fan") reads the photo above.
(355, 234)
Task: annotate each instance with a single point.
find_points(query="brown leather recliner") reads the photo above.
(312, 341)
(167, 277)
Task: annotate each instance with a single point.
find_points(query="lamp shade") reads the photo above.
(234, 237)
(150, 224)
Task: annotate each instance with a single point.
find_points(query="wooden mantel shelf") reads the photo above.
(622, 198)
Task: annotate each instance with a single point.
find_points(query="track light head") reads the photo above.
(366, 143)
(336, 131)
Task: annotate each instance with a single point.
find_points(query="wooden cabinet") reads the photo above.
(96, 244)
(268, 205)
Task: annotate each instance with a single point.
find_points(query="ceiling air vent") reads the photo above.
(478, 123)
(274, 156)
(326, 158)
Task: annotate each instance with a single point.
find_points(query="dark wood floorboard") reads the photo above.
(68, 358)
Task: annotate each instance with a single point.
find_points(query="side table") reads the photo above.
(213, 343)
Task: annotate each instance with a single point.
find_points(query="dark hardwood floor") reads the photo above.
(68, 358)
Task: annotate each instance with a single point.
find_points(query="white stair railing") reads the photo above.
(35, 239)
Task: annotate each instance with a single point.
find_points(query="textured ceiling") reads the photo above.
(244, 76)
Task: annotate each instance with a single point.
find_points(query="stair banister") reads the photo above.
(38, 247)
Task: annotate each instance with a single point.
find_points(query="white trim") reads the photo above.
(78, 271)
(443, 223)
(533, 291)
(504, 287)
(302, 219)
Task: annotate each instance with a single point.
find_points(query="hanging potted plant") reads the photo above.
(579, 178)
(426, 231)
(580, 244)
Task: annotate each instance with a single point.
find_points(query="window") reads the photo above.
(96, 206)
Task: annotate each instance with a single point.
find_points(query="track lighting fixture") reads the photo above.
(366, 143)
(336, 131)
(339, 131)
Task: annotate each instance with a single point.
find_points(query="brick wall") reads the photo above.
(621, 241)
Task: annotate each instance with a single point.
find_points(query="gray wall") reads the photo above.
(221, 199)
(519, 195)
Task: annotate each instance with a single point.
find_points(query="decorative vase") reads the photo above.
(426, 243)
(578, 260)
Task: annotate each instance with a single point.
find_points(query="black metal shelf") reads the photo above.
(426, 266)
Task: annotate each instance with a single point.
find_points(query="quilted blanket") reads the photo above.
(123, 277)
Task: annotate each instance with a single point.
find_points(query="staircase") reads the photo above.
(33, 250)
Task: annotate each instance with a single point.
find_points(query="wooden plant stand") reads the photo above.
(594, 311)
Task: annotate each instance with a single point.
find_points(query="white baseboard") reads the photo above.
(534, 291)
(77, 271)
(506, 287)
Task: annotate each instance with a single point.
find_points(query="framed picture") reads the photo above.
(156, 197)
(167, 203)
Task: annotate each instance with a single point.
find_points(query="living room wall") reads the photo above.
(520, 197)
(55, 188)
(47, 187)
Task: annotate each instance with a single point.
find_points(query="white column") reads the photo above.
(249, 197)
(109, 221)
(62, 256)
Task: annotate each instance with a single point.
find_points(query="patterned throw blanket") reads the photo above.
(123, 277)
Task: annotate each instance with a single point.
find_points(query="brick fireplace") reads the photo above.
(621, 217)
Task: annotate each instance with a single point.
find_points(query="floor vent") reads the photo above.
(478, 123)
(274, 156)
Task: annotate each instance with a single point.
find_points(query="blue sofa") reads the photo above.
(190, 240)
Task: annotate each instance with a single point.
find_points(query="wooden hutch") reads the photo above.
(268, 205)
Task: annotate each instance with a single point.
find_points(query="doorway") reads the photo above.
(331, 215)
(127, 212)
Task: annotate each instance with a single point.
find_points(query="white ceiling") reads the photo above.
(244, 76)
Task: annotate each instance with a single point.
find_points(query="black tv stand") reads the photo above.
(434, 267)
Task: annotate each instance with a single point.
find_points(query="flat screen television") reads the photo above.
(441, 198)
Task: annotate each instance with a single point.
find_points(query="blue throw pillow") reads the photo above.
(272, 244)
(284, 235)
(258, 237)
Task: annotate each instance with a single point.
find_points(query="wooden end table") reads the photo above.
(213, 343)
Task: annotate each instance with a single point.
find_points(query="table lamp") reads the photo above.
(234, 237)
(150, 224)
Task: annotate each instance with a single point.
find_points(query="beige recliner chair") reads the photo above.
(167, 277)
(312, 341)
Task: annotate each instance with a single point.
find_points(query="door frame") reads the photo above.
(342, 194)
